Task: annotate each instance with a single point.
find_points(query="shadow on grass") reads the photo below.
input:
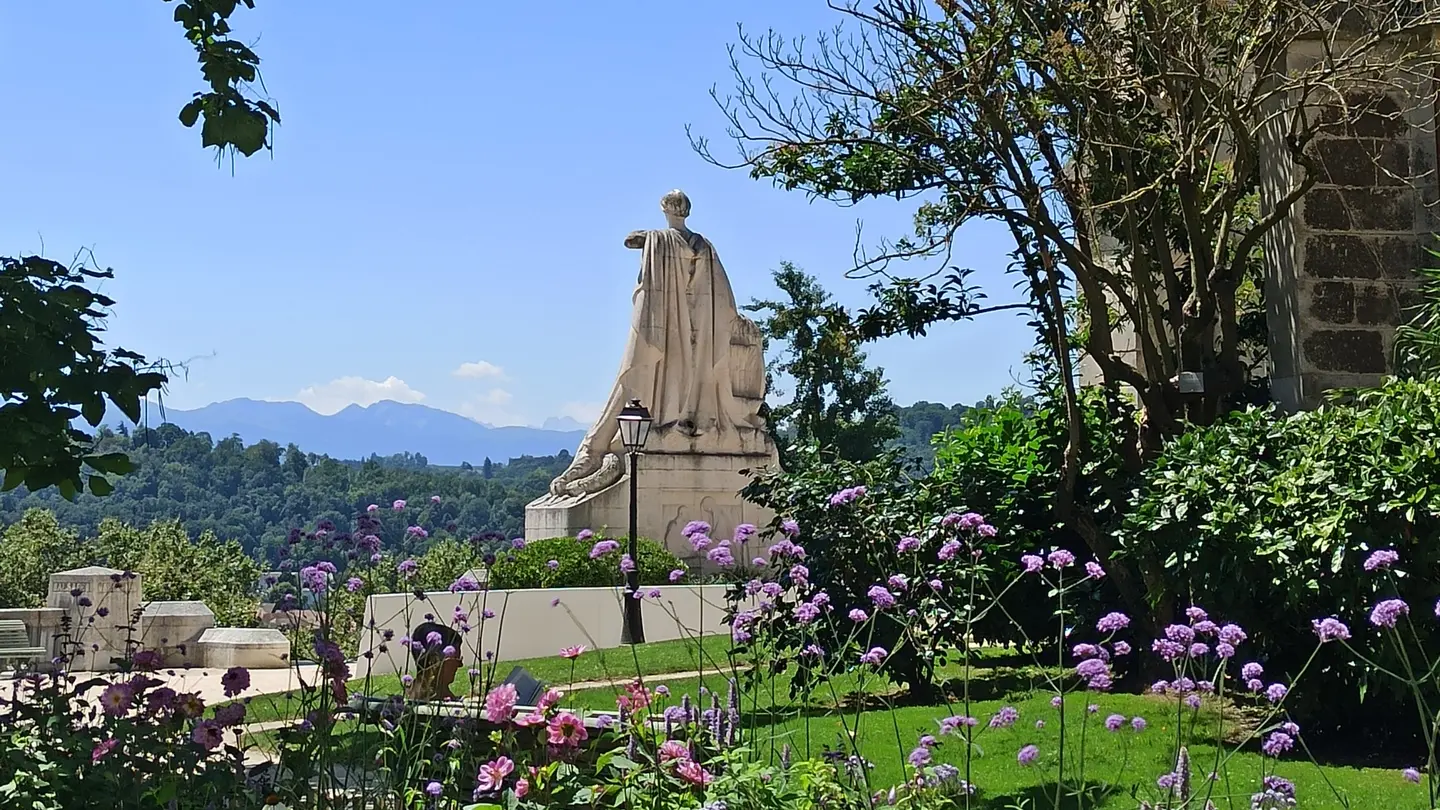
(1084, 796)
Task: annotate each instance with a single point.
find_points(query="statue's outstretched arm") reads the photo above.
(636, 240)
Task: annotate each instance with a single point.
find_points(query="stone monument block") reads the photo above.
(99, 604)
(249, 647)
(697, 364)
(173, 629)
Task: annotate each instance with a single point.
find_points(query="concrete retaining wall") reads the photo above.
(526, 625)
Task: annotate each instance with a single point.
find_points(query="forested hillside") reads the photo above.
(256, 494)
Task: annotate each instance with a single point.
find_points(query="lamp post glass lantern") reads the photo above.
(634, 422)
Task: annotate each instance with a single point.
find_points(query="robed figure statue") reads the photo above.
(679, 359)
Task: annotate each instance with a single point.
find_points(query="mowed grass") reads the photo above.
(885, 726)
(1113, 762)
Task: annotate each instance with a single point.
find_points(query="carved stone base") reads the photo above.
(674, 489)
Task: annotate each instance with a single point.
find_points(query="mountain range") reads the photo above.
(384, 428)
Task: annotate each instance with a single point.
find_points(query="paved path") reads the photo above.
(206, 681)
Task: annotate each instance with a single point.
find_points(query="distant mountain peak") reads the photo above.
(383, 428)
(562, 423)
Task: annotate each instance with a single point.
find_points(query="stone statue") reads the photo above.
(692, 359)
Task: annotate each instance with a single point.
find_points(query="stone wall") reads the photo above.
(537, 623)
(1342, 268)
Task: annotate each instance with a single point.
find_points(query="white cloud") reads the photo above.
(336, 395)
(479, 370)
(491, 408)
(583, 412)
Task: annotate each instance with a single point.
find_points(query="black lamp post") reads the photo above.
(634, 430)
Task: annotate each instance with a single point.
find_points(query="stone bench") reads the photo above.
(249, 647)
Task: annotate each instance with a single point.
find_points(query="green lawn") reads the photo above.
(1114, 762)
(1119, 759)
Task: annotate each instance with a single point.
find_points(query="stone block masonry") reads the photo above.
(1342, 268)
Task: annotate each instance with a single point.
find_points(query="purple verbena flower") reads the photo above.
(1277, 743)
(1388, 612)
(881, 597)
(1382, 559)
(1112, 622)
(1005, 718)
(1331, 629)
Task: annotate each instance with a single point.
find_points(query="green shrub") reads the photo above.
(1267, 520)
(1004, 463)
(528, 567)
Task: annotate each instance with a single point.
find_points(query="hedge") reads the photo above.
(529, 567)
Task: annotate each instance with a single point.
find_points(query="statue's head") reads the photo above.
(675, 203)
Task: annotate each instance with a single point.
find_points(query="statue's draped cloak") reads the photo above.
(684, 314)
(677, 358)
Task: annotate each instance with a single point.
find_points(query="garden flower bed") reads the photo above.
(809, 713)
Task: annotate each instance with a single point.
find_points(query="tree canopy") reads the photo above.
(256, 494)
(56, 368)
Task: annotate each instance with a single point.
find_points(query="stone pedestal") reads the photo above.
(674, 489)
(100, 604)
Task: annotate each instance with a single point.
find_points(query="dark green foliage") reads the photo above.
(526, 568)
(57, 370)
(1417, 343)
(838, 403)
(1267, 519)
(849, 549)
(922, 422)
(256, 494)
(233, 120)
(1004, 463)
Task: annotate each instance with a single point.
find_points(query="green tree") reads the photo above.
(55, 369)
(34, 548)
(241, 493)
(839, 403)
(175, 567)
(1122, 148)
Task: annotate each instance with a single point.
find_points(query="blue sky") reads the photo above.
(450, 186)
